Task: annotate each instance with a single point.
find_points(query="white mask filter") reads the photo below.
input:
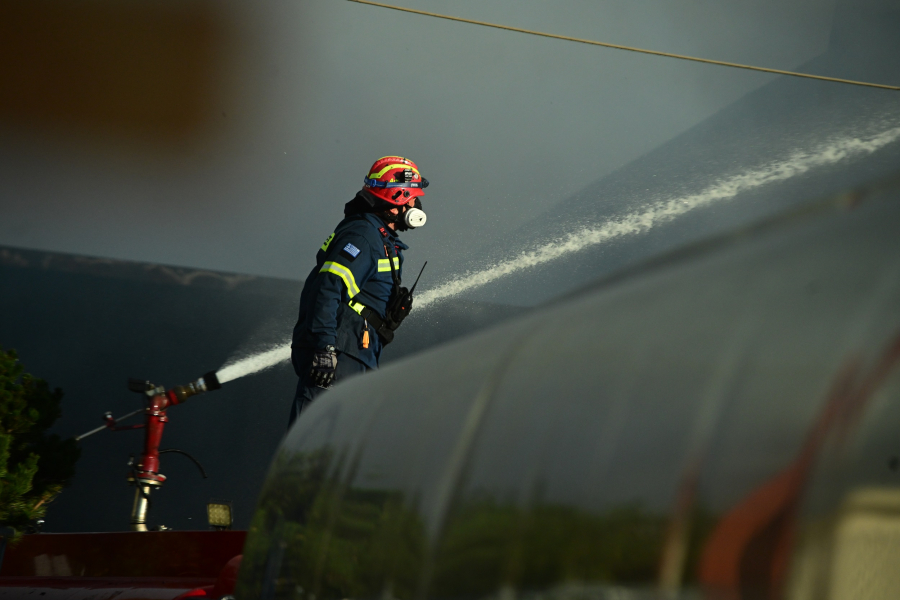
(414, 217)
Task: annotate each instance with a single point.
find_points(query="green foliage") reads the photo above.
(34, 466)
(496, 544)
(316, 537)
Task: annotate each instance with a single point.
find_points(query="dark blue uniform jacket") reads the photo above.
(352, 270)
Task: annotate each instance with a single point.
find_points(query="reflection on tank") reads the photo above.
(297, 516)
(721, 424)
(753, 541)
(853, 554)
(495, 543)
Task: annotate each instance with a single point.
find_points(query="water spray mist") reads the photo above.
(654, 214)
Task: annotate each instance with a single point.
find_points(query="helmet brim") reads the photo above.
(395, 194)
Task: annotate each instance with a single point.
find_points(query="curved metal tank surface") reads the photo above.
(724, 423)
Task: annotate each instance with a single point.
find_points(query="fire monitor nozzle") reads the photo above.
(207, 383)
(145, 474)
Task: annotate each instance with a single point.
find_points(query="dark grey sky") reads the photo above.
(311, 92)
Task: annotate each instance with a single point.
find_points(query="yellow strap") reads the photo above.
(327, 243)
(384, 265)
(388, 168)
(356, 306)
(344, 273)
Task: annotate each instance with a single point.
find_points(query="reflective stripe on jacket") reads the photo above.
(350, 266)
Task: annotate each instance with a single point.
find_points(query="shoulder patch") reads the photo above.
(350, 251)
(327, 243)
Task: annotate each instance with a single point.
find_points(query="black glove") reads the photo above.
(323, 365)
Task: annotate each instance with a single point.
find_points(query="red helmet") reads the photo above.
(395, 180)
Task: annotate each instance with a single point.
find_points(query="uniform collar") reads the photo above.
(383, 229)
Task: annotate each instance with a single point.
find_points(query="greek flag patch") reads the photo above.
(350, 251)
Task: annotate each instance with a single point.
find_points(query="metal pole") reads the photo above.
(141, 504)
(147, 475)
(108, 426)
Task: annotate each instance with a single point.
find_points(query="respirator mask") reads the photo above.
(411, 218)
(415, 216)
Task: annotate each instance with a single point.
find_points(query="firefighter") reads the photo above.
(352, 300)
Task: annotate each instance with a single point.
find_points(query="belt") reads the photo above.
(381, 328)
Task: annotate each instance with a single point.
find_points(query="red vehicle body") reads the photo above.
(122, 565)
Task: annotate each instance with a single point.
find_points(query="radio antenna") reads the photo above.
(417, 278)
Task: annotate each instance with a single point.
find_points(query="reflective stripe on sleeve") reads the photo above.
(344, 273)
(384, 265)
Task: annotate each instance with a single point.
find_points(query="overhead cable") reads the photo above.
(629, 48)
